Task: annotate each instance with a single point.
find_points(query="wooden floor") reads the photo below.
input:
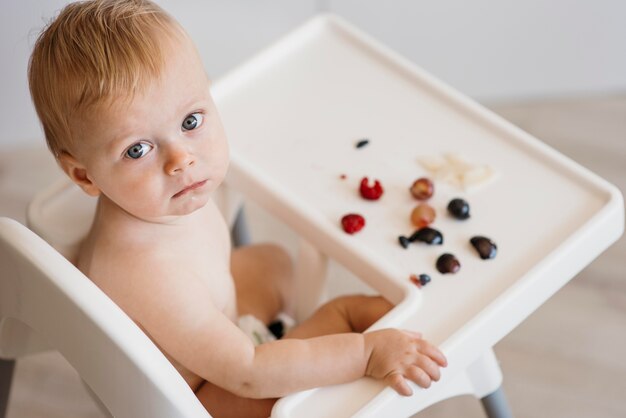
(567, 360)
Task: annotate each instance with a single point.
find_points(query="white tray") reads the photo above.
(293, 114)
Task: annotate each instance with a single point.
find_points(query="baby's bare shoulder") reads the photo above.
(143, 277)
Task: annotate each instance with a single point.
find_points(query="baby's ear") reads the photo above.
(78, 173)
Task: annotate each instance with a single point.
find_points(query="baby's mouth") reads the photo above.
(189, 188)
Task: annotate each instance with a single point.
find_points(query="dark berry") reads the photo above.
(428, 235)
(420, 281)
(486, 248)
(459, 208)
(447, 263)
(362, 143)
(352, 223)
(370, 192)
(422, 188)
(404, 241)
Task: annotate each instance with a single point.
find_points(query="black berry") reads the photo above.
(428, 235)
(459, 208)
(448, 263)
(486, 248)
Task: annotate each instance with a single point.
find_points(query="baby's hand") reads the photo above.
(396, 354)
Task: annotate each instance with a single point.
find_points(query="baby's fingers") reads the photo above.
(433, 352)
(396, 382)
(429, 367)
(419, 376)
(414, 334)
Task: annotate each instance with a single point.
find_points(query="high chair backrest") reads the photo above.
(47, 303)
(61, 214)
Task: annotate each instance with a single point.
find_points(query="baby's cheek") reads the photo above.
(141, 196)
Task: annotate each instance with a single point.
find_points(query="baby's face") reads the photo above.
(161, 154)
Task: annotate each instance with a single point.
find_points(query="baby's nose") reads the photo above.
(178, 159)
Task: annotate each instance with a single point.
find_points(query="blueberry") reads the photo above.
(421, 280)
(428, 235)
(448, 263)
(486, 248)
(459, 208)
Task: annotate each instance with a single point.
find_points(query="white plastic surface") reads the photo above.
(62, 214)
(294, 113)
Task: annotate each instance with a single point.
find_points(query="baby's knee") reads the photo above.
(280, 269)
(363, 302)
(276, 259)
(361, 310)
(280, 256)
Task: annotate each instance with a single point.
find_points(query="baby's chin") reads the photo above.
(189, 204)
(172, 212)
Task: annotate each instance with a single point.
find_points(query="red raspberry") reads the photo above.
(352, 223)
(371, 193)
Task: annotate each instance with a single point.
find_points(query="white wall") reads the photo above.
(226, 31)
(505, 49)
(489, 49)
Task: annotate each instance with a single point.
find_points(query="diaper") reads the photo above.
(259, 333)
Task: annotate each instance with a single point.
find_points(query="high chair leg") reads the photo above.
(496, 405)
(486, 377)
(6, 376)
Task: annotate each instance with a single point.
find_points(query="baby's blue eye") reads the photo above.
(138, 150)
(192, 121)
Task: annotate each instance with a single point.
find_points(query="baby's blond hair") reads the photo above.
(92, 52)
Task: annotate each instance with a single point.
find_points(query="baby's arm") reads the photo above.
(178, 314)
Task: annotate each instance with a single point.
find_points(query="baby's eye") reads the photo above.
(192, 121)
(138, 150)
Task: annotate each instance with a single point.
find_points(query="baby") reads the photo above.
(127, 112)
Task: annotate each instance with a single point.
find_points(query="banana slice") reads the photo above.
(455, 170)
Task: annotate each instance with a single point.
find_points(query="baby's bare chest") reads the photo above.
(205, 255)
